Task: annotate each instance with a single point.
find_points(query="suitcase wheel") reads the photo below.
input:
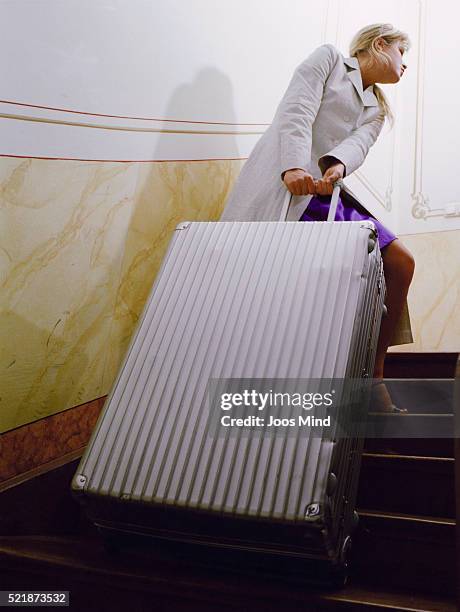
(340, 572)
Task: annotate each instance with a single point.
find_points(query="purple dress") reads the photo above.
(319, 207)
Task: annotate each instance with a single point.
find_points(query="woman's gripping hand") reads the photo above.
(325, 186)
(299, 182)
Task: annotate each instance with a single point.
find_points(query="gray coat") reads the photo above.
(324, 114)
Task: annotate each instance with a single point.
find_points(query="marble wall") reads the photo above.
(80, 246)
(434, 295)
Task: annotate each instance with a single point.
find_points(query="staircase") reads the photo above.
(403, 554)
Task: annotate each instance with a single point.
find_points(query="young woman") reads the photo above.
(331, 114)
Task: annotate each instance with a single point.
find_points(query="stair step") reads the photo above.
(360, 598)
(420, 365)
(98, 581)
(395, 550)
(423, 447)
(398, 483)
(410, 425)
(422, 395)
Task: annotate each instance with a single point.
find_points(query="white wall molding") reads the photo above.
(421, 208)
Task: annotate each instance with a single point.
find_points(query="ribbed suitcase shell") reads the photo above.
(239, 300)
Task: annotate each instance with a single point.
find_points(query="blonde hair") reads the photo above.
(364, 41)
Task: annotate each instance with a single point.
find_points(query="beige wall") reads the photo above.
(434, 295)
(80, 245)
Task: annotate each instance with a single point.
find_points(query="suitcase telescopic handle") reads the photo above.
(332, 207)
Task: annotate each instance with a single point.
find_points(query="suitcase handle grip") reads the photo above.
(332, 207)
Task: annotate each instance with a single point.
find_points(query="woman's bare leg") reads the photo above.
(398, 267)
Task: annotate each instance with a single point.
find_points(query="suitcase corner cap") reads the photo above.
(183, 225)
(313, 512)
(79, 482)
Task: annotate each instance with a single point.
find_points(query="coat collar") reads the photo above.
(367, 96)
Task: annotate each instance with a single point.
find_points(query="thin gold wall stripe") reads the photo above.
(126, 129)
(122, 161)
(131, 117)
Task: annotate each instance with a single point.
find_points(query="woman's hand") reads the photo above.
(299, 182)
(325, 186)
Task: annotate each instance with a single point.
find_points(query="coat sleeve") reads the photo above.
(300, 105)
(352, 151)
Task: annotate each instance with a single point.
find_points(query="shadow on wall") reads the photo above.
(195, 190)
(171, 192)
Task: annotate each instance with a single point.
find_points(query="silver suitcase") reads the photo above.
(264, 301)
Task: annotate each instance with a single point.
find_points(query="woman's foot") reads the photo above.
(381, 399)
